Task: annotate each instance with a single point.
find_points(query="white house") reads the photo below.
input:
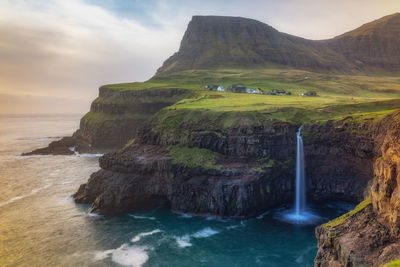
(221, 89)
(252, 91)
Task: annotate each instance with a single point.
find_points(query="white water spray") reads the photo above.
(300, 202)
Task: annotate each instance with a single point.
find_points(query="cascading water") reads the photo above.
(300, 214)
(300, 203)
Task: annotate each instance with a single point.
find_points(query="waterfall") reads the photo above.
(300, 201)
(300, 214)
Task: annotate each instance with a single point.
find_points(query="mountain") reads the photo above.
(217, 42)
(375, 44)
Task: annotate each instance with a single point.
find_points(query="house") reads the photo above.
(237, 88)
(252, 91)
(221, 89)
(310, 93)
(212, 87)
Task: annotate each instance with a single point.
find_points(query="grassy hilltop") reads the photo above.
(339, 95)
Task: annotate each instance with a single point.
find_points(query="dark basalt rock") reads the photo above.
(370, 237)
(145, 172)
(59, 147)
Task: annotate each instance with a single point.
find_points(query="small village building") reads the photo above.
(221, 89)
(310, 93)
(252, 91)
(212, 87)
(237, 88)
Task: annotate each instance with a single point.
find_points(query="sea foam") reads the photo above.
(33, 192)
(142, 217)
(139, 236)
(183, 241)
(206, 232)
(125, 255)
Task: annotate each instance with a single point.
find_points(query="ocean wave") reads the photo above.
(217, 219)
(125, 255)
(262, 215)
(33, 192)
(88, 155)
(206, 232)
(142, 217)
(183, 241)
(186, 216)
(139, 236)
(93, 214)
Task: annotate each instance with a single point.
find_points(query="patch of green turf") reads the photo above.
(338, 221)
(100, 119)
(194, 157)
(395, 263)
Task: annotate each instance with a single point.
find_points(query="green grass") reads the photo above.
(339, 96)
(340, 220)
(194, 157)
(395, 263)
(100, 119)
(267, 79)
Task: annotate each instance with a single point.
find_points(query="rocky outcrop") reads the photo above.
(114, 118)
(361, 240)
(339, 162)
(369, 236)
(143, 175)
(59, 147)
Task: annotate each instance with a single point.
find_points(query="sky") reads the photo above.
(54, 54)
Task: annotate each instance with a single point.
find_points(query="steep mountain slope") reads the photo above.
(217, 42)
(375, 44)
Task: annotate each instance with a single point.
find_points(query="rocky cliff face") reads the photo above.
(142, 176)
(253, 173)
(237, 186)
(116, 115)
(113, 119)
(369, 235)
(219, 42)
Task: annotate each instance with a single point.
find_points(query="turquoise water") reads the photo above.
(40, 225)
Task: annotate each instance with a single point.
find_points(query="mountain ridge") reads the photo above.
(222, 41)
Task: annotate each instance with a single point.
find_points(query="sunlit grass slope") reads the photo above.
(339, 95)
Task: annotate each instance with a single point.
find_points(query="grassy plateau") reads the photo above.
(338, 96)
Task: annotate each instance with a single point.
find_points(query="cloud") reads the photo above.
(58, 48)
(69, 48)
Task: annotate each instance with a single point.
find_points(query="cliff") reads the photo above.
(238, 171)
(369, 235)
(212, 42)
(114, 117)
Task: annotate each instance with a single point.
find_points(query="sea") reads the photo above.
(41, 225)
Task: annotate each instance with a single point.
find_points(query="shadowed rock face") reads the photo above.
(339, 160)
(339, 164)
(139, 175)
(371, 237)
(218, 42)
